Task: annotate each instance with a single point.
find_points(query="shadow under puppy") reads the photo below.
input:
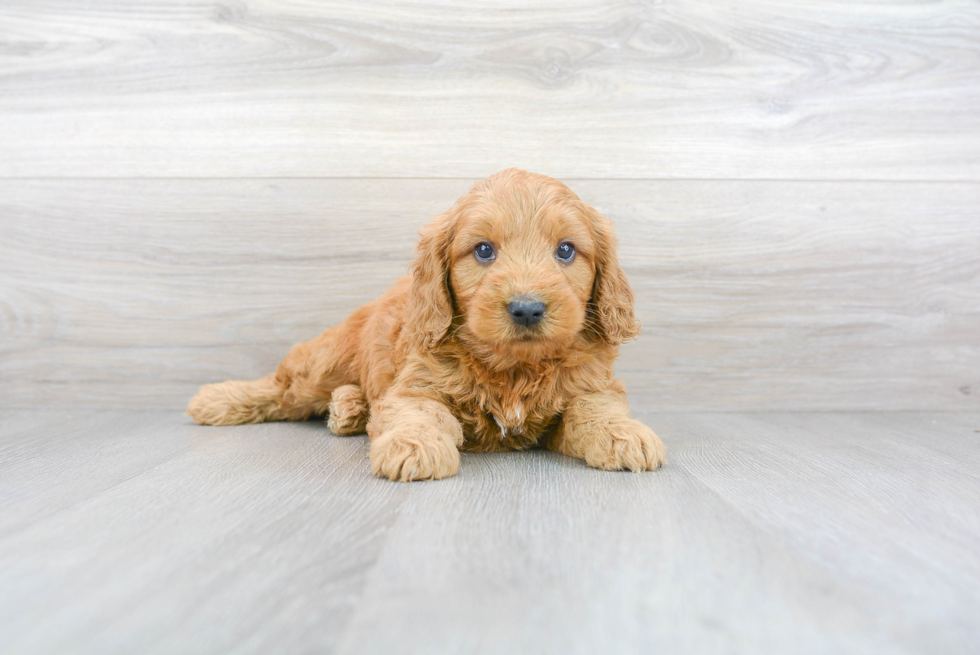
(502, 336)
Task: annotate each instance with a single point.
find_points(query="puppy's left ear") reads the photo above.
(611, 307)
(430, 309)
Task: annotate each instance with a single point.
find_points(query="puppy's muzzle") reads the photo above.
(526, 311)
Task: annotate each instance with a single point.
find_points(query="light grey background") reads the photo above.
(187, 189)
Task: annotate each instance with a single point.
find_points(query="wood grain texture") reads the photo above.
(130, 532)
(186, 189)
(138, 531)
(615, 89)
(802, 533)
(757, 295)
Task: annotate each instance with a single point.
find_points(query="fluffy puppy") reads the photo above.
(503, 336)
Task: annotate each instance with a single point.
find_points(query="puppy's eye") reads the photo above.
(484, 252)
(565, 252)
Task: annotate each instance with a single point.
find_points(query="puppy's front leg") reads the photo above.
(597, 427)
(414, 438)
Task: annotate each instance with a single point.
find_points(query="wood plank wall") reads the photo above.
(188, 188)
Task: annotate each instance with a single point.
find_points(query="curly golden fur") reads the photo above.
(446, 361)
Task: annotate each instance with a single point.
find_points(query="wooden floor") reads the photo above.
(125, 532)
(187, 189)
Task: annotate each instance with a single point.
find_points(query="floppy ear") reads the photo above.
(611, 307)
(430, 308)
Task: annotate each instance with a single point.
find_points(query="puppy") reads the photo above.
(502, 337)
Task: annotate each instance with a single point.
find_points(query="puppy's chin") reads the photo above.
(509, 346)
(531, 350)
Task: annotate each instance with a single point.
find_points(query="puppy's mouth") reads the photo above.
(527, 333)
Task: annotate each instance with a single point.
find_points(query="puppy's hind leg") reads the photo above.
(300, 388)
(238, 401)
(348, 411)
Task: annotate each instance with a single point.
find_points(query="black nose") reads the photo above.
(526, 311)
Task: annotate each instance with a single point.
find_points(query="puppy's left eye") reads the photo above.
(565, 252)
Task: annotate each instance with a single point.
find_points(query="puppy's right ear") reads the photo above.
(430, 308)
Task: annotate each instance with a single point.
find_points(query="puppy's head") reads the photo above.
(520, 266)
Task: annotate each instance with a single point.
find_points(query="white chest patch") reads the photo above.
(517, 425)
(503, 428)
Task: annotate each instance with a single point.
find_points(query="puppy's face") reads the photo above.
(522, 272)
(519, 266)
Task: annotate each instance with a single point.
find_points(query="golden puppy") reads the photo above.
(502, 337)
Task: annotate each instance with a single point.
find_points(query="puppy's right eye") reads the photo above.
(484, 252)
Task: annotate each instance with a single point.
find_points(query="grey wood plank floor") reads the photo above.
(127, 532)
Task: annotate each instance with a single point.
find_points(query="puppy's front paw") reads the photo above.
(414, 452)
(626, 444)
